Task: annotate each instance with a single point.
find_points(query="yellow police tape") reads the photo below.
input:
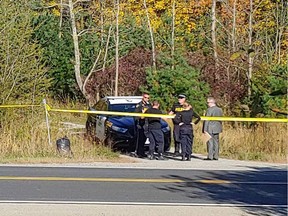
(19, 106)
(241, 119)
(110, 113)
(275, 120)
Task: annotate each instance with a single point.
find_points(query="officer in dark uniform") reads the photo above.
(186, 130)
(141, 107)
(177, 107)
(155, 134)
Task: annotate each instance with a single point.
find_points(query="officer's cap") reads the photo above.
(181, 96)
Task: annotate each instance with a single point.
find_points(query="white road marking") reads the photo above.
(140, 203)
(281, 168)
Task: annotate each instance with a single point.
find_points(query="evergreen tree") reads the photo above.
(166, 84)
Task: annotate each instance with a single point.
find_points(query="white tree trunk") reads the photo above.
(234, 26)
(61, 18)
(106, 49)
(213, 32)
(233, 36)
(117, 48)
(281, 14)
(102, 20)
(151, 35)
(173, 33)
(76, 47)
(250, 58)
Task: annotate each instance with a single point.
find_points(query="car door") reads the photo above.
(100, 121)
(100, 127)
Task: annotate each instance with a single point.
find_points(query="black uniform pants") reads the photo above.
(156, 138)
(176, 136)
(140, 142)
(186, 139)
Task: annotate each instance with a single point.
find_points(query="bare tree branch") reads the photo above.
(85, 31)
(106, 49)
(80, 1)
(90, 73)
(151, 35)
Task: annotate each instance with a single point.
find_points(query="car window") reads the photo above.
(122, 107)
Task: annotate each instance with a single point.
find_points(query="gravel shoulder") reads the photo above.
(116, 210)
(197, 163)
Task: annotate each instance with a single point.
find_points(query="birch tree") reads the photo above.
(117, 6)
(76, 34)
(151, 35)
(173, 32)
(213, 32)
(250, 57)
(76, 47)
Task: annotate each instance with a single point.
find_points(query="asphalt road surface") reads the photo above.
(258, 191)
(262, 189)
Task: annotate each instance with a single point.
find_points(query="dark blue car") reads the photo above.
(119, 132)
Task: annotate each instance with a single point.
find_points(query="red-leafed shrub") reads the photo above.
(131, 75)
(227, 85)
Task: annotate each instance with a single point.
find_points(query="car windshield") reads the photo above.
(122, 107)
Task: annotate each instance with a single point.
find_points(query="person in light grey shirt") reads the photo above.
(213, 128)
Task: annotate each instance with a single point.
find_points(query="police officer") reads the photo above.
(186, 130)
(177, 107)
(141, 107)
(155, 134)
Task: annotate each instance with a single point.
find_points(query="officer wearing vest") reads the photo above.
(186, 130)
(141, 126)
(177, 107)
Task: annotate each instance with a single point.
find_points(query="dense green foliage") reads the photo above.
(22, 73)
(166, 84)
(270, 92)
(58, 54)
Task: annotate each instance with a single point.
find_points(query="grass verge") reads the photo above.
(23, 138)
(263, 142)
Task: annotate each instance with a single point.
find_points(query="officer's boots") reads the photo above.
(160, 156)
(186, 157)
(151, 156)
(183, 158)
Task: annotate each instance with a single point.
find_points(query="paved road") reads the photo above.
(144, 186)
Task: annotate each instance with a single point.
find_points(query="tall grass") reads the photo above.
(23, 138)
(262, 142)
